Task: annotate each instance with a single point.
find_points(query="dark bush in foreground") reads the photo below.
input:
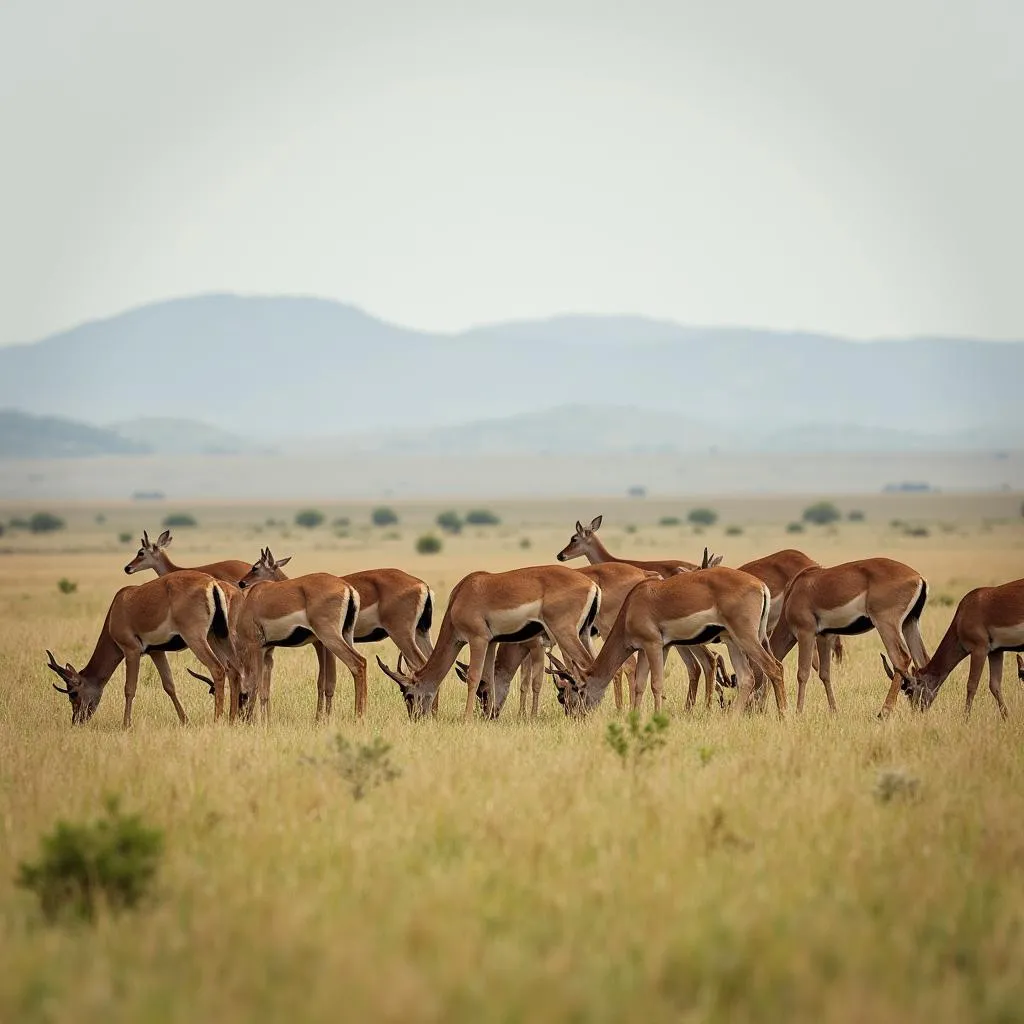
(384, 516)
(822, 513)
(428, 544)
(450, 521)
(180, 519)
(45, 522)
(310, 518)
(110, 862)
(482, 517)
(702, 516)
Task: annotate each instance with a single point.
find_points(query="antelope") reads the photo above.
(776, 570)
(153, 555)
(846, 600)
(987, 623)
(585, 542)
(391, 604)
(166, 614)
(290, 613)
(486, 609)
(526, 658)
(687, 609)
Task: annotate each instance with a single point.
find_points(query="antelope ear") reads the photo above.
(145, 539)
(282, 561)
(579, 526)
(595, 524)
(715, 560)
(164, 539)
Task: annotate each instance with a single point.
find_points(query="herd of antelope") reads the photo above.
(233, 614)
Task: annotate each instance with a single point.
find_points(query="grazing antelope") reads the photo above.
(486, 609)
(291, 613)
(153, 555)
(846, 600)
(688, 609)
(987, 623)
(776, 570)
(186, 609)
(526, 658)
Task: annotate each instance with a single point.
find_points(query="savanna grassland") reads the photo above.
(820, 868)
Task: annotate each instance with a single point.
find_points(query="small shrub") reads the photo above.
(342, 523)
(943, 600)
(450, 521)
(636, 491)
(482, 517)
(822, 513)
(428, 544)
(18, 523)
(180, 519)
(363, 766)
(384, 516)
(125, 537)
(66, 586)
(855, 515)
(524, 542)
(702, 516)
(705, 754)
(634, 743)
(2, 528)
(100, 518)
(794, 527)
(733, 530)
(110, 862)
(896, 524)
(669, 521)
(916, 531)
(45, 522)
(895, 784)
(309, 518)
(631, 528)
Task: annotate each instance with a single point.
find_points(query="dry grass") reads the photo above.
(752, 870)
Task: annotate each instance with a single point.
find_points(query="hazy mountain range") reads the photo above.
(220, 373)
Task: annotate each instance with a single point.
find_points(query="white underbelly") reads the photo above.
(689, 626)
(368, 620)
(282, 628)
(159, 636)
(510, 620)
(1006, 636)
(844, 615)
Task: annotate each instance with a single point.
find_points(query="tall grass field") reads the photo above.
(825, 868)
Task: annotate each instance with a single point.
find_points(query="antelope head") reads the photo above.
(709, 561)
(83, 693)
(918, 689)
(580, 541)
(150, 553)
(417, 701)
(572, 695)
(264, 568)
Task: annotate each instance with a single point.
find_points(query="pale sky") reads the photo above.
(856, 168)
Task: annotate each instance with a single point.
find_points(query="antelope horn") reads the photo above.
(886, 666)
(398, 666)
(389, 673)
(60, 689)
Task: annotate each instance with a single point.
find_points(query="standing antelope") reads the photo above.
(290, 613)
(687, 609)
(585, 542)
(186, 609)
(987, 623)
(846, 600)
(486, 609)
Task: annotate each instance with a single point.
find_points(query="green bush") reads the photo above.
(916, 531)
(669, 521)
(733, 531)
(384, 516)
(822, 513)
(524, 542)
(855, 515)
(45, 522)
(66, 586)
(364, 766)
(18, 523)
(310, 518)
(2, 528)
(100, 518)
(702, 516)
(180, 519)
(794, 527)
(482, 517)
(125, 537)
(428, 544)
(110, 862)
(630, 527)
(342, 523)
(450, 521)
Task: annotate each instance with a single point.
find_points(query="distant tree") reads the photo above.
(310, 518)
(125, 537)
(482, 517)
(795, 527)
(45, 522)
(733, 531)
(181, 519)
(450, 521)
(855, 515)
(669, 521)
(428, 544)
(702, 516)
(383, 516)
(822, 513)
